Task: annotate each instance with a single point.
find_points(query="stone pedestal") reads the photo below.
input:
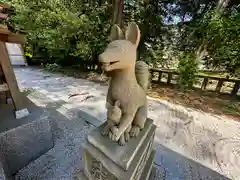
(106, 160)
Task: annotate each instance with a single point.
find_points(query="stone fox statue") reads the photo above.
(128, 80)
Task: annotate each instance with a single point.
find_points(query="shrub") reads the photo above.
(187, 68)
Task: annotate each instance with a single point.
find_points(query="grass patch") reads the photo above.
(51, 67)
(232, 109)
(28, 91)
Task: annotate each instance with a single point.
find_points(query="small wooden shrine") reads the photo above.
(8, 82)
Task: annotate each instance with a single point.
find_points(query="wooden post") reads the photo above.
(151, 74)
(169, 77)
(235, 88)
(11, 80)
(159, 76)
(118, 6)
(11, 85)
(219, 85)
(204, 84)
(1, 73)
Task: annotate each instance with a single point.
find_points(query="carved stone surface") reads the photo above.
(148, 167)
(129, 162)
(128, 83)
(143, 161)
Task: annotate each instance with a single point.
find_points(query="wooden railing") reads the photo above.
(205, 82)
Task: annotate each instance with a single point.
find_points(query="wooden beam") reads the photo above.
(2, 26)
(5, 6)
(4, 31)
(10, 78)
(16, 38)
(4, 87)
(7, 36)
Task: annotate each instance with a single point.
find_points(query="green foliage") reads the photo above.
(60, 31)
(187, 68)
(28, 91)
(222, 36)
(148, 15)
(232, 108)
(217, 32)
(75, 32)
(52, 67)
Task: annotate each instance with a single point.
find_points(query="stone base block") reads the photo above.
(23, 144)
(106, 160)
(148, 167)
(145, 174)
(80, 176)
(21, 113)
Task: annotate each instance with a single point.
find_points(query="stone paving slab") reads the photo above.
(212, 141)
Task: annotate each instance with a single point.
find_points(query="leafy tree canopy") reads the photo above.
(72, 32)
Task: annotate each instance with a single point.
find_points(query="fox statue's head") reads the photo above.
(121, 53)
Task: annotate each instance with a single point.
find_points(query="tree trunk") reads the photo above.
(221, 6)
(118, 6)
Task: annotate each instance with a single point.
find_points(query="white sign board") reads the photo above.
(15, 54)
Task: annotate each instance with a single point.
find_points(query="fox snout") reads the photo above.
(104, 61)
(102, 58)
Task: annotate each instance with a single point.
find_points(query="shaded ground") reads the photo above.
(205, 101)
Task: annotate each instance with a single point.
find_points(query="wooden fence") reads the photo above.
(158, 73)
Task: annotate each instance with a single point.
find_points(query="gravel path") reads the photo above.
(210, 140)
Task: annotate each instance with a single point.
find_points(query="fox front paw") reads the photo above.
(134, 131)
(126, 136)
(122, 141)
(114, 134)
(106, 130)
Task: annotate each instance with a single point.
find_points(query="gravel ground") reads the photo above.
(61, 162)
(210, 140)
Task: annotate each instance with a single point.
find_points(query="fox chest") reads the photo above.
(121, 92)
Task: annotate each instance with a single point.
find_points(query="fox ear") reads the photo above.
(133, 33)
(116, 33)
